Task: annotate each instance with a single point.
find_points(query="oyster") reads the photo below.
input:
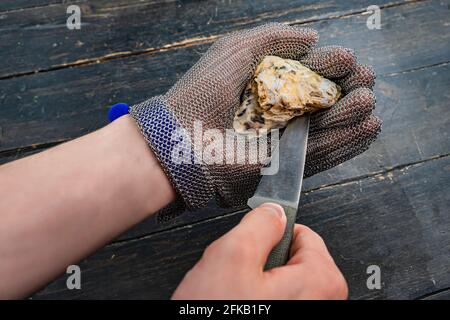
(280, 90)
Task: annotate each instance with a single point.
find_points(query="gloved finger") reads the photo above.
(222, 73)
(254, 237)
(352, 108)
(330, 61)
(279, 39)
(360, 76)
(252, 45)
(289, 42)
(330, 147)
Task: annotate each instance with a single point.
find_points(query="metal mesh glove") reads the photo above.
(210, 92)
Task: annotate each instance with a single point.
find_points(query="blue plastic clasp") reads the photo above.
(118, 110)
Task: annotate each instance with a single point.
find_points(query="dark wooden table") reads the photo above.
(388, 207)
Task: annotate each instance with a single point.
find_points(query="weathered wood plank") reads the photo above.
(16, 154)
(67, 103)
(8, 5)
(38, 39)
(440, 295)
(398, 221)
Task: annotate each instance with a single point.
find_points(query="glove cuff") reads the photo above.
(167, 139)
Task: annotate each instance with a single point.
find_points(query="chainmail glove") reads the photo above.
(210, 92)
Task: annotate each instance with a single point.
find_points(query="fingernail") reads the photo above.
(275, 208)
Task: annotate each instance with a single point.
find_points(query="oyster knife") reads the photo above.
(285, 186)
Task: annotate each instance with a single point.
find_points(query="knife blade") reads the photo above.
(285, 186)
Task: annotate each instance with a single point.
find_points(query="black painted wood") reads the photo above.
(398, 221)
(439, 295)
(10, 5)
(67, 103)
(38, 39)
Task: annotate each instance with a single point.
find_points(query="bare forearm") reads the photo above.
(58, 206)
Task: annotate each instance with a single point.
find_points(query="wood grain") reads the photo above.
(398, 221)
(10, 5)
(38, 39)
(65, 104)
(386, 207)
(40, 110)
(439, 295)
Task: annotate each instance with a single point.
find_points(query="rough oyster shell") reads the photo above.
(280, 90)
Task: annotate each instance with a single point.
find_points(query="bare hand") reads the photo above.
(232, 266)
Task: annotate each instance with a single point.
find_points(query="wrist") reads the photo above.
(144, 180)
(170, 140)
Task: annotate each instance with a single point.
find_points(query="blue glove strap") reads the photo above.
(118, 110)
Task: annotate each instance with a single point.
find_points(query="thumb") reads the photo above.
(260, 230)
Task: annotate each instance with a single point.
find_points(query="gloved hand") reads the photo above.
(210, 92)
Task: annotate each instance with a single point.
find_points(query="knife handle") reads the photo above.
(280, 253)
